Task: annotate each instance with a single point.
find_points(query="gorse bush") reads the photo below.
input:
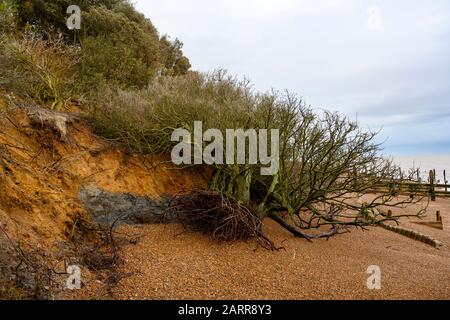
(146, 118)
(43, 70)
(51, 15)
(116, 50)
(119, 45)
(40, 58)
(173, 61)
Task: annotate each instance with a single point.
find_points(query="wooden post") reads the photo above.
(432, 185)
(402, 177)
(445, 181)
(438, 216)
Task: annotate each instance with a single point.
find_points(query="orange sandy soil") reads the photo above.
(169, 263)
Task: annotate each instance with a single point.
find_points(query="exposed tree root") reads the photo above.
(222, 218)
(56, 121)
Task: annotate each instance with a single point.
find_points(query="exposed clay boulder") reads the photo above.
(109, 207)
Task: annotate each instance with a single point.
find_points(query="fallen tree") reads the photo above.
(328, 166)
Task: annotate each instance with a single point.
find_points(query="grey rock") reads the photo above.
(108, 207)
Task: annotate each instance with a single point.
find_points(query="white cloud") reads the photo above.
(377, 59)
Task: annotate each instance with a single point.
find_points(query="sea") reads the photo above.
(426, 163)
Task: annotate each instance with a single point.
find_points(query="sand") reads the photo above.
(168, 263)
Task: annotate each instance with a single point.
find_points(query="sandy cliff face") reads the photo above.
(42, 172)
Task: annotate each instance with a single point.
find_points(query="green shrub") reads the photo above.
(173, 61)
(120, 46)
(52, 15)
(144, 119)
(116, 50)
(39, 69)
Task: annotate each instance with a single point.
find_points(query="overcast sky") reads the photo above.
(386, 61)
